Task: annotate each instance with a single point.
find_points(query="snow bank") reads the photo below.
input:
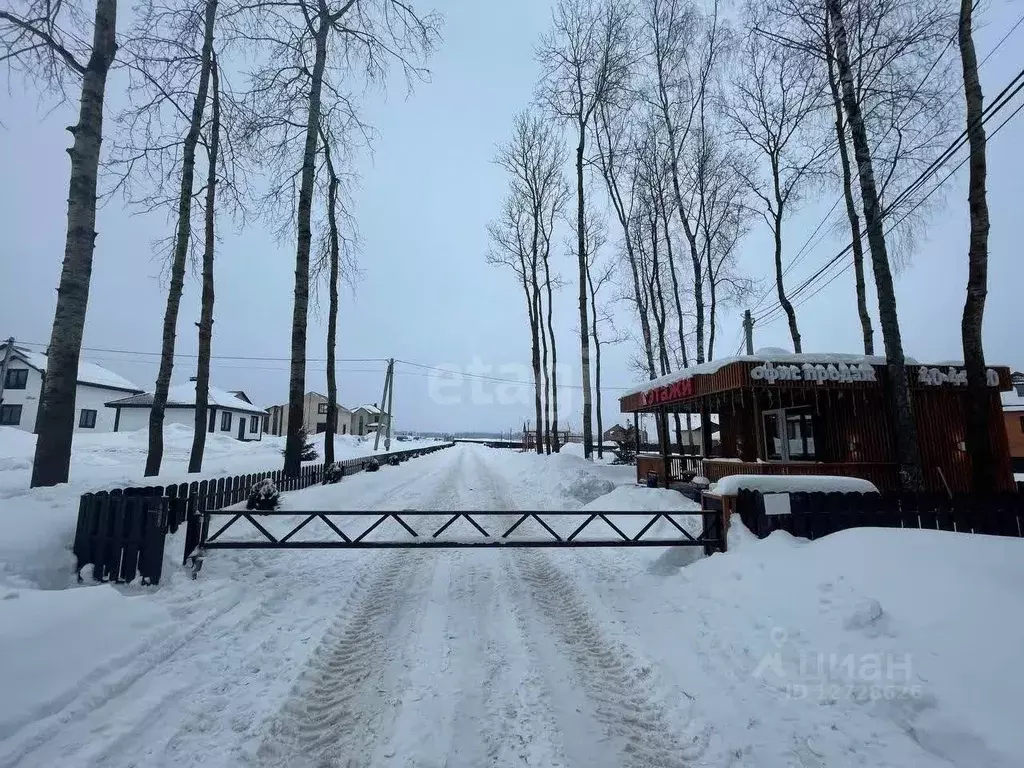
(733, 484)
(916, 631)
(54, 641)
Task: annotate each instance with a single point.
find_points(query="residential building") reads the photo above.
(23, 383)
(1013, 417)
(367, 418)
(227, 413)
(314, 416)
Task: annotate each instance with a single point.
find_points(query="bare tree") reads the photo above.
(600, 273)
(334, 251)
(195, 461)
(47, 42)
(513, 245)
(983, 476)
(775, 99)
(585, 60)
(617, 163)
(310, 46)
(899, 385)
(164, 51)
(686, 51)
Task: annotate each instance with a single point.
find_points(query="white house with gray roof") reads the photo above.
(228, 413)
(23, 383)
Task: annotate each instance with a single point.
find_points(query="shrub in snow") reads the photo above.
(625, 451)
(394, 461)
(308, 449)
(263, 496)
(372, 465)
(333, 473)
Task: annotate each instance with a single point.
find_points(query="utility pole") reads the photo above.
(748, 331)
(391, 397)
(383, 401)
(8, 351)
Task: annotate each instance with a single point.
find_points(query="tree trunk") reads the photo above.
(904, 425)
(784, 301)
(55, 422)
(983, 476)
(195, 460)
(543, 363)
(712, 311)
(300, 309)
(659, 294)
(555, 446)
(670, 257)
(181, 243)
(535, 339)
(851, 208)
(597, 366)
(588, 429)
(332, 310)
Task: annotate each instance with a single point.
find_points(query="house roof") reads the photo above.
(184, 396)
(367, 408)
(89, 374)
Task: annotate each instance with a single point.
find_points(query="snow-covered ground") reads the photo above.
(866, 648)
(37, 525)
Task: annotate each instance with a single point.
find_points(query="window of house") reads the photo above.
(10, 415)
(1022, 423)
(87, 419)
(321, 408)
(17, 378)
(225, 421)
(253, 425)
(344, 429)
(360, 425)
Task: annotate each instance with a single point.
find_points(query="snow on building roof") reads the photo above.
(88, 373)
(1012, 401)
(772, 355)
(367, 408)
(184, 396)
(732, 484)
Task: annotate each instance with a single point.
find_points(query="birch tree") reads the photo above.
(310, 48)
(48, 43)
(983, 475)
(585, 60)
(774, 100)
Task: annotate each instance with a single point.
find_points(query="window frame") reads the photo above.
(254, 425)
(805, 418)
(11, 408)
(225, 421)
(82, 420)
(321, 409)
(22, 384)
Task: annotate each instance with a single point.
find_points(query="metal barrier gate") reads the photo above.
(420, 533)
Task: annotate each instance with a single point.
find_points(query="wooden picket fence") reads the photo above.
(813, 515)
(121, 532)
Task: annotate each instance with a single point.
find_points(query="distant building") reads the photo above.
(368, 418)
(1013, 417)
(23, 383)
(314, 416)
(227, 412)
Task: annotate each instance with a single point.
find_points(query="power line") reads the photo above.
(803, 251)
(932, 191)
(1001, 100)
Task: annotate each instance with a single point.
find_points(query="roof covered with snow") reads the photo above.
(771, 355)
(184, 396)
(367, 408)
(88, 373)
(733, 484)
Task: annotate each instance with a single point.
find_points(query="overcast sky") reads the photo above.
(427, 296)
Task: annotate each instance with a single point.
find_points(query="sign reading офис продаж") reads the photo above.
(813, 372)
(819, 373)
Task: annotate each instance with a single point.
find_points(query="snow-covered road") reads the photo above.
(473, 658)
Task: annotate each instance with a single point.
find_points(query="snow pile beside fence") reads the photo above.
(733, 484)
(920, 630)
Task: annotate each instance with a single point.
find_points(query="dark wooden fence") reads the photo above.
(813, 515)
(122, 531)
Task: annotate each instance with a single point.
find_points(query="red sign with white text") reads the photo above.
(668, 393)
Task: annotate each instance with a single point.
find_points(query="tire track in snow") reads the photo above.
(346, 699)
(618, 691)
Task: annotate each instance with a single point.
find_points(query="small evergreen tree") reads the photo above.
(308, 452)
